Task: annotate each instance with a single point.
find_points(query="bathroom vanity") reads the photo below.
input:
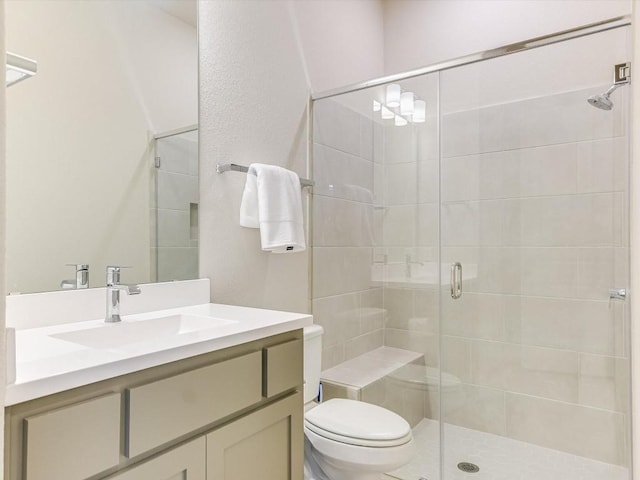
(217, 403)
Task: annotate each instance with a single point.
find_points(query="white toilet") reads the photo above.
(348, 439)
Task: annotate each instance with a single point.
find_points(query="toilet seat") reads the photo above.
(358, 423)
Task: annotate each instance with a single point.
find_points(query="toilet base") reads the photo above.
(321, 467)
(312, 470)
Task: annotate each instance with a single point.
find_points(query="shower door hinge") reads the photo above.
(622, 73)
(157, 162)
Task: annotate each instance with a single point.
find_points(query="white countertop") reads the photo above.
(46, 364)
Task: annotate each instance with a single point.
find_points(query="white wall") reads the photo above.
(419, 33)
(253, 101)
(257, 62)
(79, 134)
(342, 41)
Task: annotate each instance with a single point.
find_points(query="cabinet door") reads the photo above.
(186, 462)
(266, 445)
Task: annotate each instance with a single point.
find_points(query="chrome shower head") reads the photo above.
(602, 100)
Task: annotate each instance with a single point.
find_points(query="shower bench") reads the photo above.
(373, 377)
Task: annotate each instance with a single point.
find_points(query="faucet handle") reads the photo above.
(78, 266)
(113, 274)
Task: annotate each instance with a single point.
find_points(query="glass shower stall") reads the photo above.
(471, 254)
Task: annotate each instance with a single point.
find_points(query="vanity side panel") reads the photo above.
(283, 365)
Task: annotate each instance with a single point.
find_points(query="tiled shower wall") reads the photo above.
(534, 198)
(175, 217)
(346, 227)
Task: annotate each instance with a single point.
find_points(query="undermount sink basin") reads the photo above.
(114, 335)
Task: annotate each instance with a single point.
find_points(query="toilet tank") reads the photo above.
(312, 361)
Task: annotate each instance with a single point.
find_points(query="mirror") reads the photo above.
(115, 79)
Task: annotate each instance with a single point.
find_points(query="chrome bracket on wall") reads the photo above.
(622, 73)
(618, 294)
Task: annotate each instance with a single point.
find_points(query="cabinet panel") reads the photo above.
(267, 444)
(282, 367)
(74, 442)
(167, 409)
(183, 463)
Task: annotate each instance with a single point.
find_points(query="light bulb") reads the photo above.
(419, 111)
(406, 103)
(400, 121)
(393, 95)
(385, 113)
(376, 106)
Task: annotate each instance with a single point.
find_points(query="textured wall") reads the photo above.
(253, 108)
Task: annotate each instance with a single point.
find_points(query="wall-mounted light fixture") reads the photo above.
(393, 95)
(402, 107)
(419, 111)
(19, 68)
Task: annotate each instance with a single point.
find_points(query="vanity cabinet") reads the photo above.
(231, 414)
(186, 462)
(257, 446)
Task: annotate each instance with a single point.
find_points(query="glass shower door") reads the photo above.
(174, 250)
(534, 207)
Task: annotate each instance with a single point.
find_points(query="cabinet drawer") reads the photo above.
(167, 409)
(283, 366)
(74, 442)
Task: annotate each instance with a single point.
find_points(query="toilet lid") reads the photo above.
(358, 423)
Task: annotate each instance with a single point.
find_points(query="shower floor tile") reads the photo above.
(499, 458)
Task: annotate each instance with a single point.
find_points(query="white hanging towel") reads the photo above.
(272, 202)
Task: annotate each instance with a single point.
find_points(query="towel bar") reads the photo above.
(226, 167)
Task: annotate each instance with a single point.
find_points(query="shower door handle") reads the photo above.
(456, 280)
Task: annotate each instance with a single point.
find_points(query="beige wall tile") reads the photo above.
(400, 145)
(475, 315)
(602, 165)
(335, 172)
(338, 315)
(332, 356)
(344, 223)
(604, 382)
(584, 431)
(489, 365)
(482, 409)
(339, 270)
(542, 372)
(583, 326)
(401, 183)
(399, 227)
(363, 343)
(425, 343)
(372, 313)
(334, 125)
(456, 357)
(399, 305)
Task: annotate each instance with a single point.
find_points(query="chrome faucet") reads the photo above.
(82, 277)
(113, 293)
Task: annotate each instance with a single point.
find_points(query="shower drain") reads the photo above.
(468, 467)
